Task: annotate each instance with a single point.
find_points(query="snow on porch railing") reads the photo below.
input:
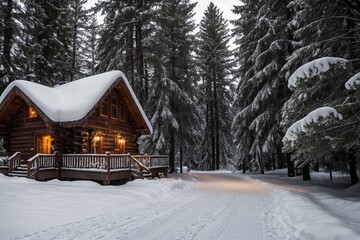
(41, 161)
(14, 161)
(96, 161)
(153, 160)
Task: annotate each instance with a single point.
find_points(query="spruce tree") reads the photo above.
(172, 99)
(215, 65)
(323, 29)
(127, 27)
(48, 44)
(80, 50)
(262, 33)
(11, 16)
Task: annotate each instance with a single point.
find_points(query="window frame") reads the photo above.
(114, 106)
(104, 105)
(28, 117)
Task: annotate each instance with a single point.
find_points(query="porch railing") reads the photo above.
(40, 161)
(91, 162)
(14, 161)
(153, 160)
(96, 161)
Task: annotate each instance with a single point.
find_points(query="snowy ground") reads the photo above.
(195, 206)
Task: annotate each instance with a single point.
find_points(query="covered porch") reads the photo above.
(104, 168)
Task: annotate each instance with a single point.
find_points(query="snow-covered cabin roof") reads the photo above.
(74, 100)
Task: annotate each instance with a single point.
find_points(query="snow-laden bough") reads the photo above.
(302, 125)
(353, 83)
(313, 68)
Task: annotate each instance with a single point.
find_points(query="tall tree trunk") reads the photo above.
(352, 168)
(181, 150)
(306, 172)
(139, 55)
(244, 165)
(316, 167)
(74, 43)
(330, 171)
(213, 144)
(290, 165)
(280, 159)
(8, 37)
(172, 151)
(261, 163)
(273, 161)
(130, 56)
(217, 130)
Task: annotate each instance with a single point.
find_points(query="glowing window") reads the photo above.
(31, 113)
(120, 144)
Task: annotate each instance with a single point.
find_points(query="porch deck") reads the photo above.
(98, 167)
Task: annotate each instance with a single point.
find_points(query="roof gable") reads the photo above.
(74, 100)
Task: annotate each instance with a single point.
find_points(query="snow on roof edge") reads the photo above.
(137, 103)
(51, 99)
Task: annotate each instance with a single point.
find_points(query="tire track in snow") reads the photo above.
(217, 207)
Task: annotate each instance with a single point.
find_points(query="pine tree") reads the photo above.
(123, 40)
(172, 100)
(48, 44)
(262, 34)
(80, 50)
(215, 64)
(90, 60)
(10, 35)
(323, 28)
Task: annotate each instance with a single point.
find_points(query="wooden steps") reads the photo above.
(20, 171)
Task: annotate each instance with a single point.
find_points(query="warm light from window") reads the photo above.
(121, 141)
(120, 144)
(32, 113)
(96, 138)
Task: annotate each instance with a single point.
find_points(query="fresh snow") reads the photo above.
(301, 126)
(312, 69)
(73, 100)
(352, 83)
(198, 205)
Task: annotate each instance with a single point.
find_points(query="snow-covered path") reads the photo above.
(216, 207)
(198, 206)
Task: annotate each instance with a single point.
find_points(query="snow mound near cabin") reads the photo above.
(36, 206)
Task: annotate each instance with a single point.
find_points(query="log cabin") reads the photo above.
(93, 115)
(96, 114)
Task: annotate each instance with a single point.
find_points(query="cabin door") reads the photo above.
(43, 144)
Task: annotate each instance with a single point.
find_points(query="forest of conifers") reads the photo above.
(211, 106)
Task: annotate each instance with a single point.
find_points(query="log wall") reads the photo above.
(109, 128)
(21, 135)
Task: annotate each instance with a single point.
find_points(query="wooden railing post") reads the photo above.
(108, 162)
(29, 169)
(130, 168)
(140, 171)
(11, 166)
(58, 163)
